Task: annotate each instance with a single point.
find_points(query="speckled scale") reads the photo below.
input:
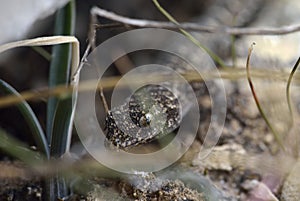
(151, 100)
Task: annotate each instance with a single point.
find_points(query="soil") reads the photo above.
(226, 169)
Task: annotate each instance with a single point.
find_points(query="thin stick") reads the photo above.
(103, 99)
(92, 44)
(92, 31)
(196, 27)
(110, 25)
(261, 111)
(75, 77)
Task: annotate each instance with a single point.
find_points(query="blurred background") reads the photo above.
(25, 69)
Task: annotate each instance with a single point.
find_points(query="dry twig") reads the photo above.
(196, 27)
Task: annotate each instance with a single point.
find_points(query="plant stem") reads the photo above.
(59, 110)
(215, 57)
(288, 95)
(261, 111)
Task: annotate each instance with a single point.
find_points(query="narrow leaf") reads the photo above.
(61, 61)
(59, 111)
(60, 140)
(19, 150)
(30, 118)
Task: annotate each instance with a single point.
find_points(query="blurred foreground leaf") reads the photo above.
(30, 118)
(19, 150)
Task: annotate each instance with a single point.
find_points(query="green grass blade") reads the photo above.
(60, 140)
(59, 111)
(31, 119)
(19, 150)
(42, 52)
(188, 35)
(61, 60)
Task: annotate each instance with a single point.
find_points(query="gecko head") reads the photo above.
(152, 111)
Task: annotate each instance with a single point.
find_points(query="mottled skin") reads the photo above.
(153, 111)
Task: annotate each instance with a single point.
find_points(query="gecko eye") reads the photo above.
(146, 120)
(148, 117)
